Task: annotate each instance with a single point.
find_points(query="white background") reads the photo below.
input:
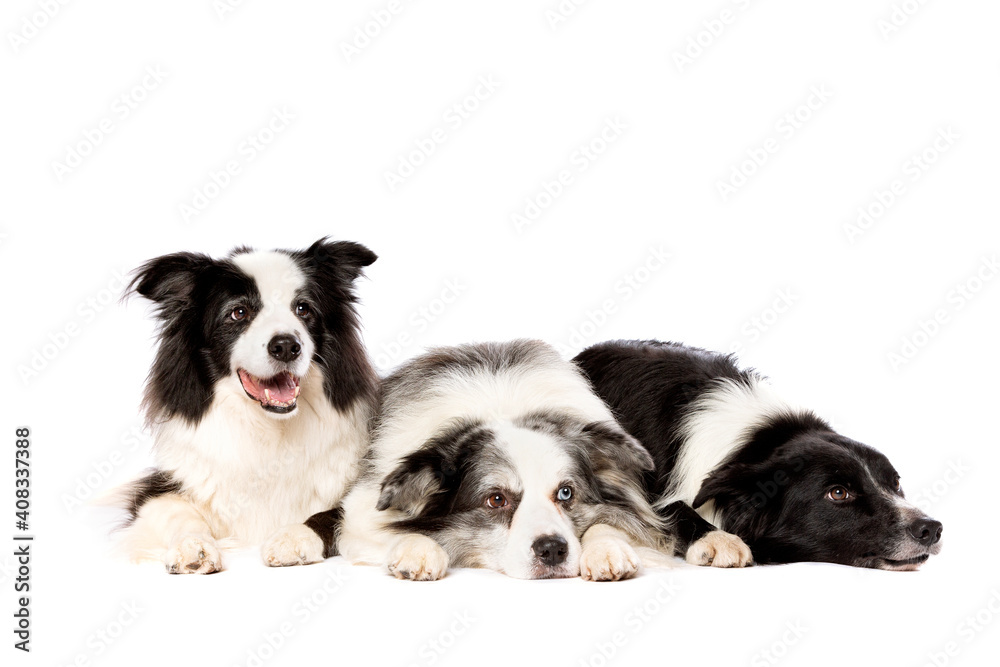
(685, 128)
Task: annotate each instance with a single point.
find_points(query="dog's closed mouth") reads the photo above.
(906, 564)
(275, 394)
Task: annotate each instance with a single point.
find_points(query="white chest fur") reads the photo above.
(250, 474)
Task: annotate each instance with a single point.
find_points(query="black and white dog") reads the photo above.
(498, 456)
(259, 400)
(776, 475)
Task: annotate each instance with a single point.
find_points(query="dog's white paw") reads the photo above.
(296, 544)
(418, 558)
(608, 559)
(193, 555)
(719, 549)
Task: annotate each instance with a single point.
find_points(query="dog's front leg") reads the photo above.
(304, 543)
(172, 530)
(699, 542)
(607, 554)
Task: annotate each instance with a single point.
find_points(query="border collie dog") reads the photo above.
(259, 400)
(498, 456)
(776, 475)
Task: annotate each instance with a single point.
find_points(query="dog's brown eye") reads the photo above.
(898, 487)
(239, 313)
(838, 493)
(496, 501)
(302, 310)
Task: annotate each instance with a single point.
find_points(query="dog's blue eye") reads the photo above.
(239, 313)
(564, 494)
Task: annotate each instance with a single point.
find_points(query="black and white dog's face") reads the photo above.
(252, 326)
(513, 496)
(822, 497)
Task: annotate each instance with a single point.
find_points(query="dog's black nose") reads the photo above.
(284, 347)
(926, 531)
(550, 549)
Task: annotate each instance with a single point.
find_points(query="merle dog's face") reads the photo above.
(251, 326)
(512, 497)
(822, 497)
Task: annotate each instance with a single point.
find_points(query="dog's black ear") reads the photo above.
(745, 496)
(413, 484)
(170, 279)
(726, 485)
(339, 260)
(612, 447)
(422, 481)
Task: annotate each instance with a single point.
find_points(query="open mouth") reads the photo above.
(906, 564)
(275, 394)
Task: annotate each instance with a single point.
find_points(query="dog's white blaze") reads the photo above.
(279, 279)
(719, 423)
(541, 465)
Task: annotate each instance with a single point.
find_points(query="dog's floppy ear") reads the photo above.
(416, 480)
(422, 480)
(170, 279)
(745, 497)
(339, 260)
(612, 447)
(726, 485)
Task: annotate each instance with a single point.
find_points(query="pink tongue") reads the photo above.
(282, 387)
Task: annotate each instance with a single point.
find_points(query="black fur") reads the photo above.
(331, 269)
(194, 295)
(771, 490)
(327, 525)
(191, 292)
(156, 483)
